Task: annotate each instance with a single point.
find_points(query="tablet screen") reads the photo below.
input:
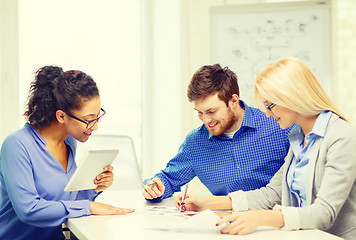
(91, 166)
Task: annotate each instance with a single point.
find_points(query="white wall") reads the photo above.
(196, 52)
(8, 68)
(99, 38)
(345, 83)
(98, 41)
(344, 22)
(176, 42)
(162, 84)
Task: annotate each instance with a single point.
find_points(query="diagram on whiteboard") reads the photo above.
(246, 42)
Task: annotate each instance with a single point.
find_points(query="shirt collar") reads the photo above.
(246, 122)
(36, 134)
(321, 123)
(319, 128)
(39, 138)
(296, 136)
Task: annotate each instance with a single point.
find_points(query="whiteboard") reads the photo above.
(246, 38)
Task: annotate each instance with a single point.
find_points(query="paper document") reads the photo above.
(165, 211)
(204, 221)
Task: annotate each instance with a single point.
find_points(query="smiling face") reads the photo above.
(89, 110)
(216, 116)
(285, 117)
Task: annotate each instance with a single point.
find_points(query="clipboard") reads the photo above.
(91, 166)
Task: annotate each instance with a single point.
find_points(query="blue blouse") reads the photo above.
(33, 204)
(297, 172)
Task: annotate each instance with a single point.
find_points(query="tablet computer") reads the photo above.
(90, 167)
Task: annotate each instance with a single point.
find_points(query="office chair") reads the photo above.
(127, 175)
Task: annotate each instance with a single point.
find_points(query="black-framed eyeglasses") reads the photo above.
(90, 123)
(269, 107)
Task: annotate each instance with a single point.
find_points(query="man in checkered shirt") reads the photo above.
(236, 148)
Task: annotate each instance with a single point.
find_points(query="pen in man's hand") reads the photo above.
(152, 183)
(183, 197)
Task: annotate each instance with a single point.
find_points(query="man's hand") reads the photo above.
(153, 189)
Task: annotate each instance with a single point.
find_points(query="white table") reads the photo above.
(137, 225)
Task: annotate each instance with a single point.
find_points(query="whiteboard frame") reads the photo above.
(328, 24)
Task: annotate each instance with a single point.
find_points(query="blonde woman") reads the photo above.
(315, 188)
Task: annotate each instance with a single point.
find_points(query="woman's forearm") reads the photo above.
(273, 218)
(219, 202)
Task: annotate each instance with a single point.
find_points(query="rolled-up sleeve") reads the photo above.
(239, 201)
(177, 173)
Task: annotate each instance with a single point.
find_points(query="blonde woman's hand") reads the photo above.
(245, 222)
(192, 202)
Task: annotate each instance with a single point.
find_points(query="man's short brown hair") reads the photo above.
(211, 79)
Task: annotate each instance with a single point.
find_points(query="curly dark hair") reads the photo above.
(210, 79)
(53, 89)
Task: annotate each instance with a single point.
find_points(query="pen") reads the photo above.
(183, 197)
(151, 184)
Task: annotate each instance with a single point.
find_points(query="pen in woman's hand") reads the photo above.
(183, 197)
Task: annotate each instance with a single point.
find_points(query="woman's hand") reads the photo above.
(106, 209)
(105, 179)
(191, 202)
(246, 222)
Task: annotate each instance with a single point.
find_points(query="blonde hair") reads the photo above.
(291, 83)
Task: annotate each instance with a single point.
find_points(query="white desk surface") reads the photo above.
(136, 226)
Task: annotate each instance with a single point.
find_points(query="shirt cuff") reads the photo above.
(238, 201)
(77, 208)
(155, 200)
(95, 195)
(291, 217)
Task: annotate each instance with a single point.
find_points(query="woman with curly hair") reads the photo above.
(37, 161)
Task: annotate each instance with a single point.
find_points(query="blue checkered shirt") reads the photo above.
(246, 162)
